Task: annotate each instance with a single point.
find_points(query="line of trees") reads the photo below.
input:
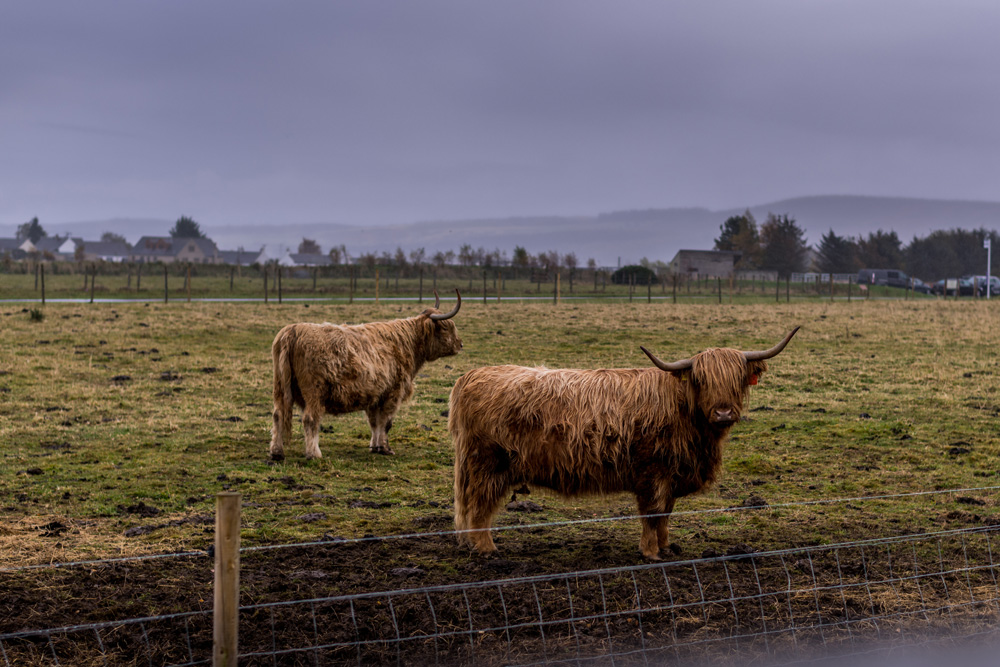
(779, 245)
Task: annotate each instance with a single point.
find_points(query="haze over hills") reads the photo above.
(625, 236)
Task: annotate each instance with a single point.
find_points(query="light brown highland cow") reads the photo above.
(655, 432)
(335, 369)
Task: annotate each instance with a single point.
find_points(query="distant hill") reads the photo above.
(625, 236)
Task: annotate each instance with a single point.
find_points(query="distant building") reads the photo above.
(704, 263)
(169, 249)
(13, 248)
(239, 257)
(103, 251)
(310, 259)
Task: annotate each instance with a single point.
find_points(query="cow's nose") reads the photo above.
(723, 415)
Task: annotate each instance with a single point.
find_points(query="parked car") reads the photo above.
(920, 286)
(981, 285)
(889, 277)
(965, 287)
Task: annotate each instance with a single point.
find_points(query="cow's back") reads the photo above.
(348, 368)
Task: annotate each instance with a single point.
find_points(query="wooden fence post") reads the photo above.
(420, 289)
(43, 285)
(649, 289)
(138, 276)
(788, 288)
(718, 287)
(165, 282)
(277, 269)
(188, 282)
(849, 280)
(93, 279)
(484, 288)
(499, 284)
(232, 275)
(350, 285)
(675, 287)
(376, 286)
(226, 609)
(265, 284)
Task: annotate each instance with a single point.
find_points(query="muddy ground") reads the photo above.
(422, 601)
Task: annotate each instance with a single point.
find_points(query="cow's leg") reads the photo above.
(311, 416)
(281, 430)
(380, 420)
(481, 486)
(652, 495)
(662, 534)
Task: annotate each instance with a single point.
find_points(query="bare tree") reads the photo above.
(417, 256)
(400, 258)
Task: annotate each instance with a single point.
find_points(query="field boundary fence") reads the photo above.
(852, 598)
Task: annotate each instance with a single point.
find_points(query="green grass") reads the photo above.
(869, 398)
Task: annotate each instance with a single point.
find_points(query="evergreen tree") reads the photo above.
(881, 250)
(783, 246)
(186, 228)
(739, 234)
(31, 231)
(309, 247)
(837, 254)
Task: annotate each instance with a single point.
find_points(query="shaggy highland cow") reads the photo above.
(655, 432)
(335, 369)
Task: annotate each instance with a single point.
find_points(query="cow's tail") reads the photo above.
(458, 438)
(282, 353)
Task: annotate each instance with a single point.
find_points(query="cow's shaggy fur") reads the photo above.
(656, 434)
(335, 369)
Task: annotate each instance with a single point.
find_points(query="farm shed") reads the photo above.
(711, 263)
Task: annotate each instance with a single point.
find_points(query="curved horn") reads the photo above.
(437, 300)
(675, 366)
(767, 354)
(451, 313)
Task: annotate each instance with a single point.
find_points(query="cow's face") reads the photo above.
(718, 383)
(443, 340)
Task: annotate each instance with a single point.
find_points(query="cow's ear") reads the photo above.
(683, 375)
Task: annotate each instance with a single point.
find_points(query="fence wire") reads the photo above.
(846, 599)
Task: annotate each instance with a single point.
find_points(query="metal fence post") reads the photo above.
(226, 610)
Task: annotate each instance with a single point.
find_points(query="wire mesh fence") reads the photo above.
(850, 598)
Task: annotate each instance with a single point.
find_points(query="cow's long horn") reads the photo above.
(767, 354)
(437, 300)
(675, 366)
(451, 313)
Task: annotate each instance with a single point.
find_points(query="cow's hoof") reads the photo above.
(277, 457)
(382, 450)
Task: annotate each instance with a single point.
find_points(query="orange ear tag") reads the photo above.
(753, 379)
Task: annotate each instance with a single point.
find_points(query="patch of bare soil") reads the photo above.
(424, 600)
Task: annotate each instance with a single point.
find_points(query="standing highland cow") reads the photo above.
(655, 432)
(335, 369)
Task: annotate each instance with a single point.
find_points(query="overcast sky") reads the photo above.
(403, 110)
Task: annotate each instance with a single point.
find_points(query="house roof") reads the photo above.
(107, 248)
(310, 259)
(238, 257)
(10, 244)
(167, 246)
(50, 243)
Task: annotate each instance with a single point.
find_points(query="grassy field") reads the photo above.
(120, 422)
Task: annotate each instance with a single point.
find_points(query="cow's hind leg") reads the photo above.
(311, 416)
(482, 482)
(281, 430)
(380, 421)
